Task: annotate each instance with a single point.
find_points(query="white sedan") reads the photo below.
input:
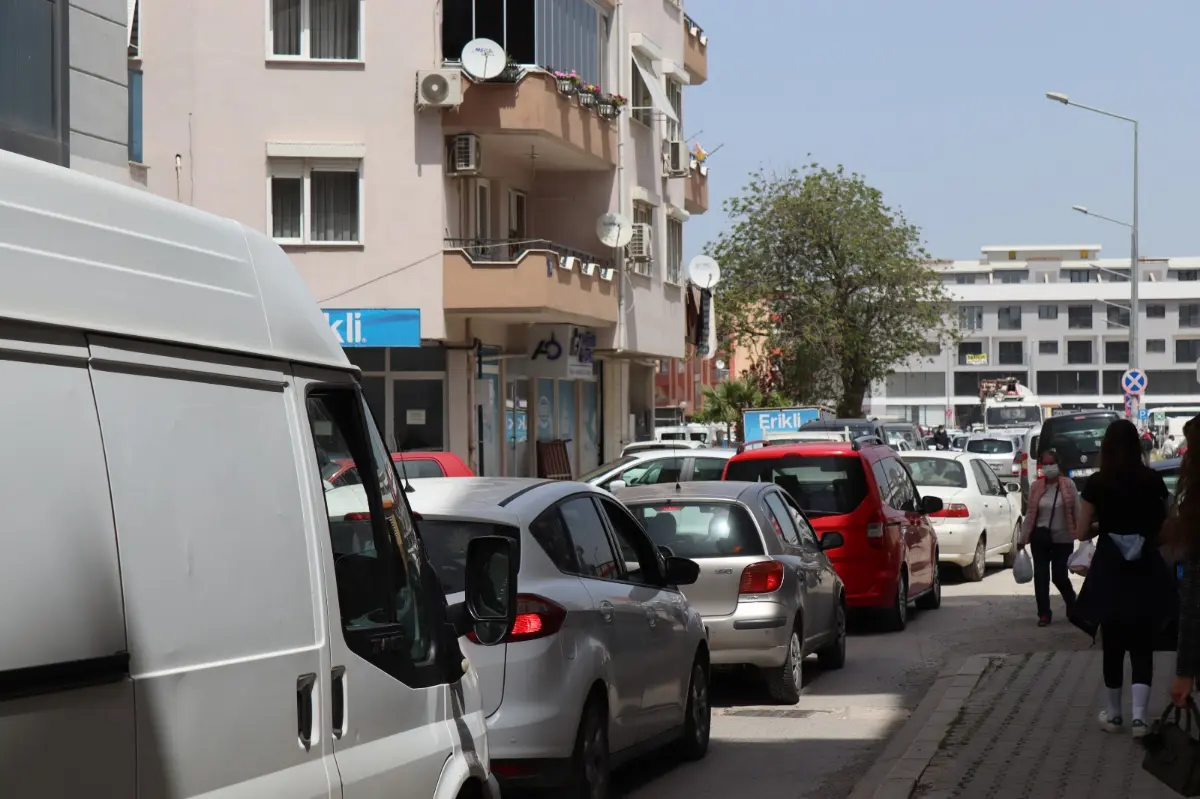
(655, 466)
(981, 518)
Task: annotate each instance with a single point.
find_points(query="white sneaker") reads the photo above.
(1139, 728)
(1110, 723)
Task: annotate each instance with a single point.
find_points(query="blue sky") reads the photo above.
(940, 104)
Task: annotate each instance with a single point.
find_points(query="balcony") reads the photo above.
(528, 281)
(695, 190)
(695, 51)
(532, 117)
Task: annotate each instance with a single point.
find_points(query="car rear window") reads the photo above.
(1072, 436)
(446, 542)
(417, 468)
(990, 446)
(701, 529)
(822, 485)
(937, 472)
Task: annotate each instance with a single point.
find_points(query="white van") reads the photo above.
(178, 615)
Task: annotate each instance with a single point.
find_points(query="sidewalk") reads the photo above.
(1024, 727)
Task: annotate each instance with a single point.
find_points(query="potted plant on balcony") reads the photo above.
(611, 105)
(589, 95)
(568, 82)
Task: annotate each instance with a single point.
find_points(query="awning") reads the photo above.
(130, 12)
(658, 95)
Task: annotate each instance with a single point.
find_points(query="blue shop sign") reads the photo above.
(375, 327)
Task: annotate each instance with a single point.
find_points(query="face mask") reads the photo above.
(1050, 471)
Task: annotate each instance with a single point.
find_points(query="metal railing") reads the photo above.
(689, 24)
(497, 251)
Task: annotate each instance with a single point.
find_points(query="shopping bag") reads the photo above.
(1173, 750)
(1081, 559)
(1023, 567)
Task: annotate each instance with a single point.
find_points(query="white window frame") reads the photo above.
(674, 271)
(481, 207)
(305, 37)
(513, 196)
(303, 168)
(640, 99)
(675, 95)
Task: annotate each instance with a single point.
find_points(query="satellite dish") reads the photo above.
(705, 272)
(614, 230)
(483, 59)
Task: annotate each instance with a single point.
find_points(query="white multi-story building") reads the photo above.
(1057, 318)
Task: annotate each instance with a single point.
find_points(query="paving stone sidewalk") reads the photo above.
(1028, 730)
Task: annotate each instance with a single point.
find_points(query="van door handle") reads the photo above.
(304, 709)
(338, 675)
(606, 611)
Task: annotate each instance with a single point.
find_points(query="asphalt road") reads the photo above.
(823, 744)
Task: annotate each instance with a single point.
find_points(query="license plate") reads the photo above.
(1082, 472)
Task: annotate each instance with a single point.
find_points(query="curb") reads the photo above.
(927, 728)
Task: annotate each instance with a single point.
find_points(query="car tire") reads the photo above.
(784, 682)
(973, 572)
(833, 655)
(697, 726)
(591, 766)
(1010, 557)
(933, 599)
(897, 615)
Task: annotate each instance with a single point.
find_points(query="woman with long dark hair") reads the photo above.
(1128, 592)
(1182, 533)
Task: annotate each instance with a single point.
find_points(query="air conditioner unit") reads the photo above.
(641, 246)
(606, 273)
(588, 269)
(568, 263)
(465, 154)
(677, 159)
(439, 88)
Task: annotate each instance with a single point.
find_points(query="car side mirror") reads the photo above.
(1013, 488)
(666, 551)
(832, 540)
(681, 571)
(931, 505)
(614, 485)
(489, 606)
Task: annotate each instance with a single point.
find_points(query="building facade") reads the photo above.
(446, 221)
(1056, 318)
(65, 95)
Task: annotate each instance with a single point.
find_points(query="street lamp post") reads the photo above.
(1134, 279)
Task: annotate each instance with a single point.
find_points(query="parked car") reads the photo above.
(1001, 450)
(864, 492)
(896, 430)
(1076, 439)
(644, 446)
(980, 517)
(605, 659)
(1169, 469)
(659, 466)
(1029, 448)
(858, 428)
(957, 443)
(409, 465)
(767, 593)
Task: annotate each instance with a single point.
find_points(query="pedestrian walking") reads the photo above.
(1170, 447)
(1128, 592)
(1049, 532)
(1182, 535)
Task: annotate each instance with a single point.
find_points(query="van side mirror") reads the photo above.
(832, 540)
(614, 485)
(931, 505)
(681, 571)
(490, 593)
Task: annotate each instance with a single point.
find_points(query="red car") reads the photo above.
(415, 465)
(865, 492)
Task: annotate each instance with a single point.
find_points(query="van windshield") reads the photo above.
(823, 485)
(700, 529)
(446, 542)
(998, 415)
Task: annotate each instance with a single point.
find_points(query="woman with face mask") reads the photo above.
(1048, 530)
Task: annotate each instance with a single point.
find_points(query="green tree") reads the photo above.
(820, 268)
(725, 402)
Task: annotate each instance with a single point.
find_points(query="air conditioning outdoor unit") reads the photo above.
(677, 158)
(568, 263)
(439, 88)
(588, 269)
(641, 245)
(607, 273)
(465, 154)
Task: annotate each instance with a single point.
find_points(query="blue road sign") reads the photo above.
(1144, 413)
(1134, 382)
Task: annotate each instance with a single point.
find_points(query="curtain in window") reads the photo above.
(334, 206)
(286, 207)
(334, 31)
(285, 27)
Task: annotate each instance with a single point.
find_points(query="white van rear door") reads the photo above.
(66, 703)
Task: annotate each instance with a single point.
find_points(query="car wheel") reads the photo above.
(1010, 557)
(897, 615)
(833, 656)
(974, 572)
(697, 726)
(784, 682)
(590, 766)
(933, 599)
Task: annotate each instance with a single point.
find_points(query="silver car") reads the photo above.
(1001, 450)
(767, 593)
(666, 466)
(605, 659)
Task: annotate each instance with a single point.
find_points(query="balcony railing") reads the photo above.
(484, 251)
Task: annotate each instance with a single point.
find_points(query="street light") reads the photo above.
(1084, 210)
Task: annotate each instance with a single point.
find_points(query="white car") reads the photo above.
(646, 446)
(655, 466)
(981, 517)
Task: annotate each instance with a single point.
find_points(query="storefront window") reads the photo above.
(545, 410)
(566, 421)
(589, 449)
(489, 442)
(418, 415)
(516, 406)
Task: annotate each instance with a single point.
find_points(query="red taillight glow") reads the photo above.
(1024, 464)
(761, 578)
(357, 517)
(953, 511)
(537, 617)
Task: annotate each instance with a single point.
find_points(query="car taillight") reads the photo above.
(875, 530)
(537, 617)
(1024, 464)
(357, 517)
(953, 511)
(1016, 464)
(761, 578)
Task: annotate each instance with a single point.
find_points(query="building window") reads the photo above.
(1080, 275)
(964, 280)
(1012, 277)
(1189, 315)
(1116, 275)
(1079, 352)
(1156, 312)
(674, 251)
(1116, 352)
(1156, 345)
(970, 353)
(1187, 350)
(1079, 317)
(318, 30)
(1047, 348)
(1009, 317)
(1190, 275)
(135, 116)
(641, 103)
(1047, 312)
(1011, 353)
(1118, 317)
(316, 202)
(1068, 383)
(675, 95)
(970, 317)
(35, 75)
